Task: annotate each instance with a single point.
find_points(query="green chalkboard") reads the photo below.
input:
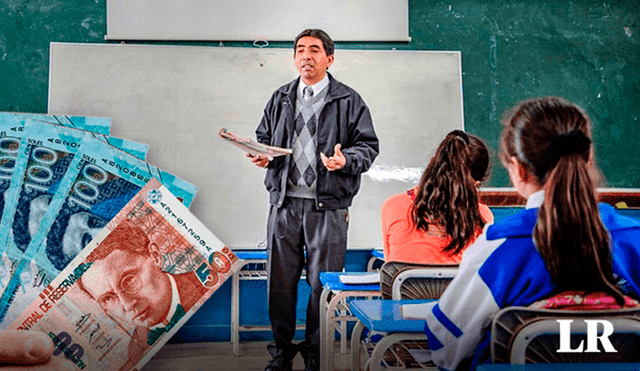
(585, 51)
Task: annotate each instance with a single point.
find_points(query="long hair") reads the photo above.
(551, 138)
(447, 193)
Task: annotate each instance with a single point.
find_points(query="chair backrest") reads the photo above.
(414, 281)
(522, 335)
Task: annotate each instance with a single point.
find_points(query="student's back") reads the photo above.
(564, 240)
(404, 243)
(435, 221)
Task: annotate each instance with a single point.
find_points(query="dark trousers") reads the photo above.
(291, 228)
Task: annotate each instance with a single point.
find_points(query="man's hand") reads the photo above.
(29, 350)
(259, 161)
(335, 162)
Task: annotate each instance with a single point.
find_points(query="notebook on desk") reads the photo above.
(360, 278)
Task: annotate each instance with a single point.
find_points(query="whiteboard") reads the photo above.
(273, 20)
(175, 98)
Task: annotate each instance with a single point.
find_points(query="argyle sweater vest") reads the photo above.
(301, 181)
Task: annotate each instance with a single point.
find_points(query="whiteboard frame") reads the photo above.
(248, 20)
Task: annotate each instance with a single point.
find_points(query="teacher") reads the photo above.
(329, 128)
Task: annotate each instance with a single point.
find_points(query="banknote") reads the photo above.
(11, 130)
(135, 149)
(98, 125)
(99, 182)
(11, 133)
(252, 147)
(26, 200)
(46, 152)
(138, 281)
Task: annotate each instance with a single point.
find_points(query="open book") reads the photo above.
(251, 146)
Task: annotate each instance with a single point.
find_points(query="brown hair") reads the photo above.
(551, 138)
(447, 193)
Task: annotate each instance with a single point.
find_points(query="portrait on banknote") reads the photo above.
(69, 234)
(100, 181)
(133, 286)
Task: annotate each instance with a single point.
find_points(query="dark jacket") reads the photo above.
(345, 119)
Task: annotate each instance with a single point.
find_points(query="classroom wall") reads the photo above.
(586, 51)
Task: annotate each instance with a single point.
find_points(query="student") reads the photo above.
(564, 240)
(435, 221)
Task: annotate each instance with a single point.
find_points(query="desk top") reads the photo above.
(251, 254)
(562, 367)
(386, 315)
(331, 281)
(378, 254)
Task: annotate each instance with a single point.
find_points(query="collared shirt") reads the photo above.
(175, 300)
(535, 200)
(317, 87)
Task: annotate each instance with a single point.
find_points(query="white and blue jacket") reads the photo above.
(503, 268)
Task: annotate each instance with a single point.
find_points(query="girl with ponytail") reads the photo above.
(563, 241)
(546, 147)
(435, 221)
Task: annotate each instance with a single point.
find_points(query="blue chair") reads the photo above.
(376, 258)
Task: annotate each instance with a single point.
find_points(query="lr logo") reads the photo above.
(592, 337)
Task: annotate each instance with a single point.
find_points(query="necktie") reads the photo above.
(308, 93)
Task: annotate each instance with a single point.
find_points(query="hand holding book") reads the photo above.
(252, 147)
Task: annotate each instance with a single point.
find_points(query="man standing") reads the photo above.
(329, 128)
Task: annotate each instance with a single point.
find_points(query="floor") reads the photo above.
(219, 356)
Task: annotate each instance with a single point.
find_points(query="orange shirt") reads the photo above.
(404, 243)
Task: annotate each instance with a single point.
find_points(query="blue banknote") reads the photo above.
(10, 137)
(136, 149)
(45, 155)
(98, 125)
(46, 151)
(11, 133)
(100, 181)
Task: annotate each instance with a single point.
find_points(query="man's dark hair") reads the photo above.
(327, 43)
